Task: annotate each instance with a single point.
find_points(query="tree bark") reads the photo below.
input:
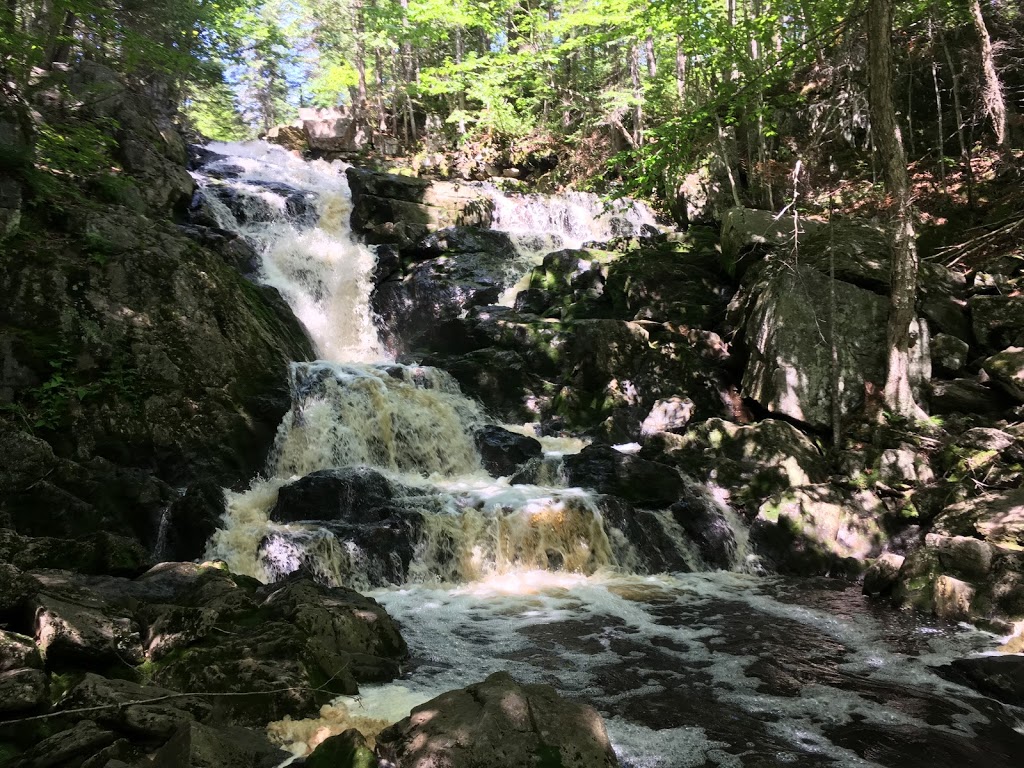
(903, 274)
(992, 92)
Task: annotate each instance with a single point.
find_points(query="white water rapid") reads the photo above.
(485, 574)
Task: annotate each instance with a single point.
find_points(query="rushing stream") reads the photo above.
(719, 668)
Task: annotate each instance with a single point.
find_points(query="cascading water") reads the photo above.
(482, 574)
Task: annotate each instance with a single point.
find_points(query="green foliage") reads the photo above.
(212, 109)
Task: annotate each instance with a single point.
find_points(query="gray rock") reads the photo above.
(1007, 370)
(998, 321)
(499, 722)
(966, 396)
(752, 461)
(22, 690)
(882, 575)
(788, 332)
(996, 517)
(18, 652)
(949, 354)
(83, 630)
(69, 747)
(904, 466)
(200, 746)
(145, 712)
(745, 231)
(819, 530)
(387, 208)
(668, 415)
(503, 452)
(640, 481)
(1001, 677)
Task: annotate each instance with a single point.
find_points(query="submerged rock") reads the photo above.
(499, 722)
(1001, 677)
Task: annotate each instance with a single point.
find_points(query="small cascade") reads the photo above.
(545, 223)
(401, 419)
(296, 215)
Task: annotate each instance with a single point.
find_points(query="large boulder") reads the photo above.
(996, 517)
(748, 234)
(998, 321)
(447, 273)
(789, 331)
(503, 452)
(751, 461)
(345, 494)
(387, 208)
(201, 746)
(499, 722)
(819, 530)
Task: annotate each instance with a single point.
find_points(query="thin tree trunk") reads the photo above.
(940, 145)
(965, 147)
(638, 94)
(680, 70)
(995, 104)
(898, 395)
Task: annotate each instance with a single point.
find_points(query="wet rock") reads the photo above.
(191, 521)
(606, 470)
(998, 321)
(375, 552)
(346, 750)
(646, 537)
(388, 208)
(953, 598)
(819, 530)
(502, 451)
(1007, 370)
(70, 747)
(451, 271)
(347, 494)
(499, 722)
(949, 354)
(1001, 677)
(882, 575)
(201, 746)
(22, 690)
(707, 526)
(962, 556)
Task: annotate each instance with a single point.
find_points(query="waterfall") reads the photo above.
(443, 519)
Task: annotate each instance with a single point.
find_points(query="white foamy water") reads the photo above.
(322, 271)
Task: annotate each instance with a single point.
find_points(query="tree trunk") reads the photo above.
(992, 91)
(903, 274)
